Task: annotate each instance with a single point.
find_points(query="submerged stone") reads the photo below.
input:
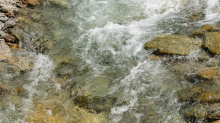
(187, 69)
(205, 92)
(174, 44)
(212, 28)
(212, 42)
(31, 2)
(205, 29)
(4, 50)
(21, 60)
(96, 96)
(61, 3)
(199, 111)
(53, 111)
(218, 121)
(202, 111)
(3, 88)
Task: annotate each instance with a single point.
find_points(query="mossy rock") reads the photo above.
(174, 44)
(212, 42)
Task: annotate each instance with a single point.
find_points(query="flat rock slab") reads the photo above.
(4, 50)
(213, 42)
(174, 44)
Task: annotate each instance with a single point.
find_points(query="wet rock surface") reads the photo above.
(85, 98)
(212, 42)
(4, 50)
(200, 69)
(31, 2)
(174, 44)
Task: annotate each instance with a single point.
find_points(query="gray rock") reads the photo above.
(1, 25)
(10, 23)
(3, 17)
(9, 8)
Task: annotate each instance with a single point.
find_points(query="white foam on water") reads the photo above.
(112, 34)
(41, 76)
(111, 37)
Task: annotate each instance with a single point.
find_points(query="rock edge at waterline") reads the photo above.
(173, 45)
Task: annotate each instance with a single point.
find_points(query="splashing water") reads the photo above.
(98, 39)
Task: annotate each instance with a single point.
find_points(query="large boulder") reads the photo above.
(212, 42)
(174, 44)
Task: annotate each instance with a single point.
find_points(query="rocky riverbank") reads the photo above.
(21, 40)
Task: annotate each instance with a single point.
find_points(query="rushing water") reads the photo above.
(98, 53)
